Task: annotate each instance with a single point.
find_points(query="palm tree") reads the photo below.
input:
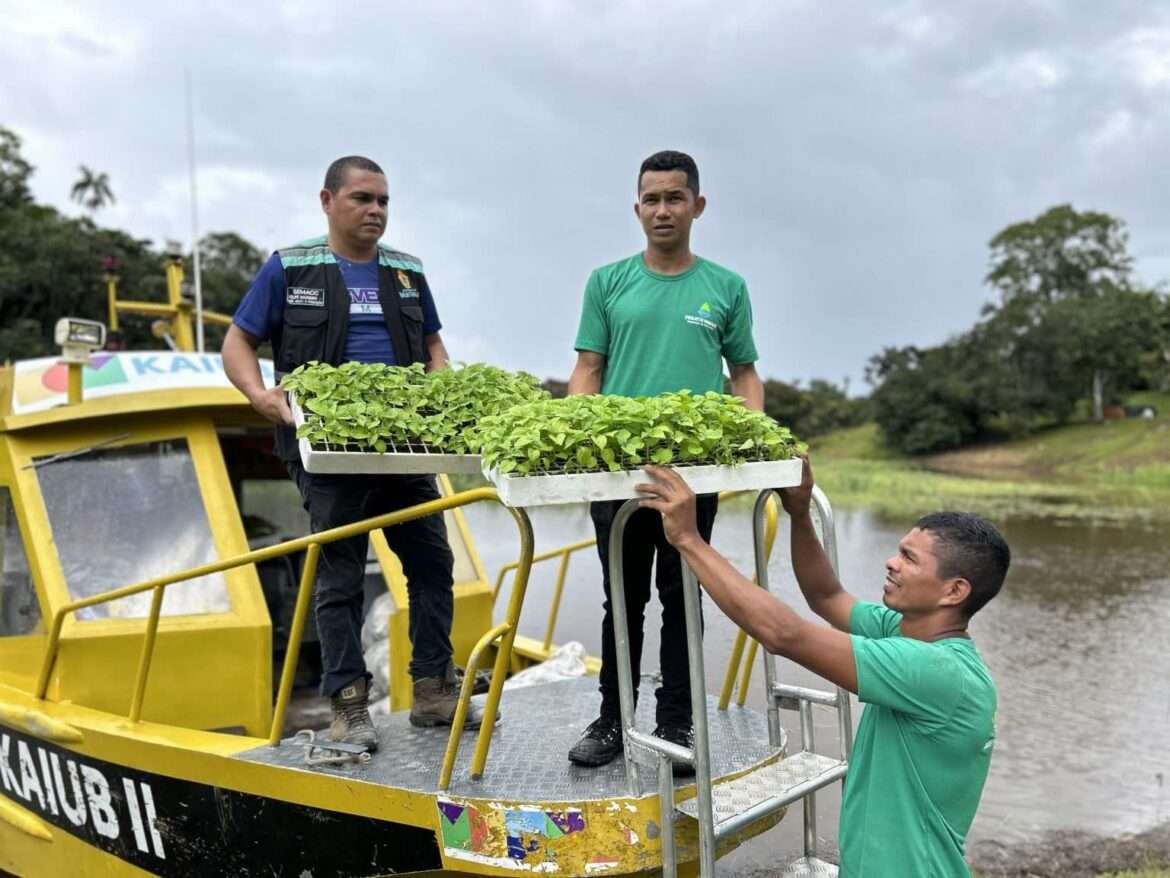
(92, 190)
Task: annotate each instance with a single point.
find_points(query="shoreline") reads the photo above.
(1075, 854)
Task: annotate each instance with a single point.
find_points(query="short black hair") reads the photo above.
(335, 176)
(969, 547)
(672, 160)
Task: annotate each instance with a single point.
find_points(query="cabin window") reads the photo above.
(124, 514)
(20, 612)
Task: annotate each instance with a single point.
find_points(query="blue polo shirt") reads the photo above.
(367, 339)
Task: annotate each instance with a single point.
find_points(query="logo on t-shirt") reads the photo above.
(364, 301)
(311, 297)
(702, 317)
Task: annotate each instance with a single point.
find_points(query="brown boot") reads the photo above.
(351, 716)
(435, 700)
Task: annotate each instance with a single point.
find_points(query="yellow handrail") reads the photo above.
(312, 546)
(460, 718)
(554, 610)
(563, 552)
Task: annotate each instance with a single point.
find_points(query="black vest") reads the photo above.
(316, 314)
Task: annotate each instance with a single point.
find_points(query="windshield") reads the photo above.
(126, 514)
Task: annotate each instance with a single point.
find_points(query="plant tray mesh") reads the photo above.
(398, 459)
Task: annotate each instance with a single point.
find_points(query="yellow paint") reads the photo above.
(39, 724)
(24, 821)
(73, 371)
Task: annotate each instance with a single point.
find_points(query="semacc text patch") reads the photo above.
(305, 296)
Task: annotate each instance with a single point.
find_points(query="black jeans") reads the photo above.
(421, 545)
(643, 537)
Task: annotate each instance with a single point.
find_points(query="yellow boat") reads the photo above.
(140, 729)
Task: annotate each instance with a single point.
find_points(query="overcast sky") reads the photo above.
(857, 157)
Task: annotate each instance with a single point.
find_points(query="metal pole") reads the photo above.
(666, 817)
(829, 540)
(74, 385)
(621, 635)
(504, 651)
(775, 736)
(147, 655)
(691, 599)
(194, 214)
(293, 651)
(808, 744)
(555, 609)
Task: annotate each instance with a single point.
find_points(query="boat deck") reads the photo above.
(528, 758)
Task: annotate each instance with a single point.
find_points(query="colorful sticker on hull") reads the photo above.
(510, 837)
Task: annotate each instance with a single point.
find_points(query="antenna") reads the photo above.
(194, 213)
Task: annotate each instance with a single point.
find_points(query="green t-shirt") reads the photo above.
(922, 751)
(661, 332)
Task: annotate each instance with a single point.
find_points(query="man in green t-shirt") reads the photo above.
(661, 320)
(925, 738)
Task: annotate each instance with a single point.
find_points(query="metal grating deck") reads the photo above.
(528, 760)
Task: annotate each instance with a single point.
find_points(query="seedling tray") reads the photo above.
(549, 490)
(413, 460)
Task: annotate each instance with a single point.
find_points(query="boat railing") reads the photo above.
(564, 552)
(735, 661)
(501, 635)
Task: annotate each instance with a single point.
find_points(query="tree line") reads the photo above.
(1071, 326)
(1072, 329)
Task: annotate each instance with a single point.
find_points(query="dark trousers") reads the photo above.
(421, 546)
(643, 537)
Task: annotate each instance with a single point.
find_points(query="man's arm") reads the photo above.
(773, 623)
(439, 359)
(242, 367)
(587, 374)
(745, 382)
(814, 574)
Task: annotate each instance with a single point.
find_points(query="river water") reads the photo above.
(1076, 642)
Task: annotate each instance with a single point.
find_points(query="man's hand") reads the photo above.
(671, 496)
(273, 404)
(797, 501)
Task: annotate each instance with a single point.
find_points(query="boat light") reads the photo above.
(79, 337)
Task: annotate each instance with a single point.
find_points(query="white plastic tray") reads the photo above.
(331, 462)
(549, 490)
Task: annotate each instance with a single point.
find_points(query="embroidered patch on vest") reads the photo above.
(305, 296)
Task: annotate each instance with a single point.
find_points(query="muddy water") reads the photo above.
(1078, 643)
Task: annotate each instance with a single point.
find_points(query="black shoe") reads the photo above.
(600, 744)
(683, 736)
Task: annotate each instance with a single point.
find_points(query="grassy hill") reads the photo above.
(1117, 470)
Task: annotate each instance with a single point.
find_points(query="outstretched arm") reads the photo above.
(778, 627)
(814, 574)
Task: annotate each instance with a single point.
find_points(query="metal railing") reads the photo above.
(564, 553)
(503, 633)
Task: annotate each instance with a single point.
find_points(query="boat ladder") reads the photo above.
(730, 807)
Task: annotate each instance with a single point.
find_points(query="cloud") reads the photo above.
(857, 158)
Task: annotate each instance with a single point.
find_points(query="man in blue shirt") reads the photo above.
(339, 298)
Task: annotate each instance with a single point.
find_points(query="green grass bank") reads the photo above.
(1118, 470)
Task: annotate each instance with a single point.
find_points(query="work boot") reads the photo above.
(684, 736)
(351, 716)
(435, 700)
(599, 745)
